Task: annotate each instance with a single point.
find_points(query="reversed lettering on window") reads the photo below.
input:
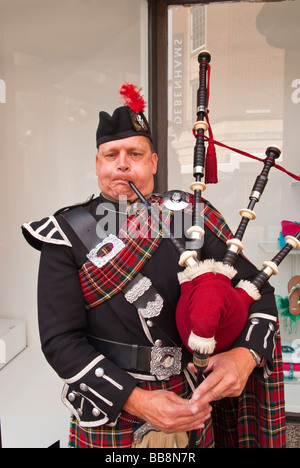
(296, 92)
(2, 92)
(178, 72)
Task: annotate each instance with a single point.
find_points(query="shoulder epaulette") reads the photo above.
(48, 229)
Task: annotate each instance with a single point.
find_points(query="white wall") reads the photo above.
(61, 62)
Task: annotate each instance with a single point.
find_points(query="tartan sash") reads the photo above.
(141, 235)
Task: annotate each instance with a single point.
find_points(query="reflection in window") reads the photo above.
(254, 103)
(198, 27)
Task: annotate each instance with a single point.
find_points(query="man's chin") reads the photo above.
(122, 190)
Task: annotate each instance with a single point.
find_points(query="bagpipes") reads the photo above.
(206, 290)
(211, 313)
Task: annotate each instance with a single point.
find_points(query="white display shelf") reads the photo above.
(31, 412)
(292, 397)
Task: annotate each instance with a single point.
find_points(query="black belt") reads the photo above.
(132, 358)
(128, 357)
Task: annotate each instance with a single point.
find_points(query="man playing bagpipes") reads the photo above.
(107, 295)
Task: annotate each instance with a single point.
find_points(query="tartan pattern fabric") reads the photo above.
(141, 236)
(256, 419)
(215, 221)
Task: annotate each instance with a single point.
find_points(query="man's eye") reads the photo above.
(136, 154)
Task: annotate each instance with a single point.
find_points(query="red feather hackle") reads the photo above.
(133, 97)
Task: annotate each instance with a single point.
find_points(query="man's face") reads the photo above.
(120, 161)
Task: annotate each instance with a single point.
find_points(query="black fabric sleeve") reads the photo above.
(95, 388)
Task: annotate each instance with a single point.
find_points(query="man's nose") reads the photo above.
(123, 162)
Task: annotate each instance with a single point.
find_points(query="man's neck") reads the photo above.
(123, 200)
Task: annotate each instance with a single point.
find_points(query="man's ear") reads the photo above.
(154, 163)
(97, 163)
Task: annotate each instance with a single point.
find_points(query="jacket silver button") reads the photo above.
(99, 372)
(95, 412)
(71, 396)
(83, 387)
(254, 321)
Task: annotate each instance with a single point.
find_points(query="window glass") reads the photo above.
(254, 103)
(198, 27)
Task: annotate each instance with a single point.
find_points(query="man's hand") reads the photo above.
(167, 411)
(229, 374)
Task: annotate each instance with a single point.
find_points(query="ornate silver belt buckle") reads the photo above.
(165, 362)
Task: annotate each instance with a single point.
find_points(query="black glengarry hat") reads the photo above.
(126, 121)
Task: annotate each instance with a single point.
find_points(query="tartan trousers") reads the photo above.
(256, 419)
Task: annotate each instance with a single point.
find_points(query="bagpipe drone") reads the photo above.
(207, 294)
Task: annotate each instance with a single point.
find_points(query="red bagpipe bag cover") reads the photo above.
(211, 313)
